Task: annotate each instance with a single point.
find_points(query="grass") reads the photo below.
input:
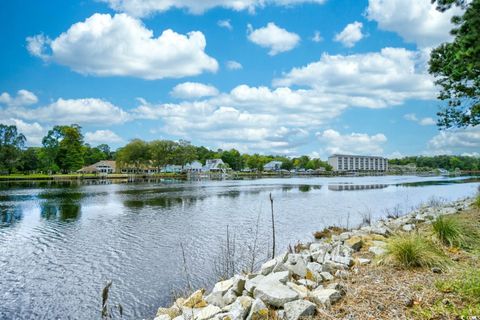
(476, 202)
(328, 232)
(467, 285)
(413, 251)
(455, 231)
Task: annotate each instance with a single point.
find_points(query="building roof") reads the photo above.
(354, 155)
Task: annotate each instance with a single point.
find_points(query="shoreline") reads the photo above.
(309, 279)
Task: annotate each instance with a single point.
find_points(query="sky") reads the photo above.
(284, 77)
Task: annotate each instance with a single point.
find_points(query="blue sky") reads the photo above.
(272, 76)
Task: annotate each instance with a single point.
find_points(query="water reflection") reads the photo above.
(356, 187)
(9, 215)
(63, 205)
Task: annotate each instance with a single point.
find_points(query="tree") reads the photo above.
(63, 148)
(456, 67)
(136, 153)
(11, 144)
(162, 152)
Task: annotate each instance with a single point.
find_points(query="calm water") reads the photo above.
(60, 243)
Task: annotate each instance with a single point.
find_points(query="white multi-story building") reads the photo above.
(343, 162)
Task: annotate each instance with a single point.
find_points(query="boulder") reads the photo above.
(342, 274)
(314, 267)
(363, 261)
(327, 276)
(251, 284)
(268, 266)
(223, 286)
(195, 300)
(258, 311)
(331, 266)
(296, 265)
(207, 312)
(172, 312)
(215, 298)
(162, 317)
(325, 297)
(297, 309)
(378, 251)
(301, 290)
(274, 293)
(355, 243)
(307, 283)
(229, 297)
(238, 284)
(240, 308)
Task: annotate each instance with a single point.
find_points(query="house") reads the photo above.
(214, 165)
(105, 167)
(272, 166)
(195, 166)
(172, 168)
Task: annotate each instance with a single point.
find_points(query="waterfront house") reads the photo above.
(194, 166)
(214, 165)
(272, 166)
(172, 168)
(102, 167)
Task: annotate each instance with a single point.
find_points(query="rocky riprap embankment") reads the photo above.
(295, 285)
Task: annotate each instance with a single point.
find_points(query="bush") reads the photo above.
(412, 251)
(454, 231)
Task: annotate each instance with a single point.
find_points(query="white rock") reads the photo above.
(301, 290)
(250, 284)
(274, 293)
(325, 297)
(408, 227)
(215, 298)
(223, 286)
(240, 308)
(327, 276)
(378, 251)
(229, 297)
(297, 309)
(268, 266)
(363, 261)
(307, 283)
(314, 267)
(163, 317)
(258, 311)
(207, 312)
(296, 264)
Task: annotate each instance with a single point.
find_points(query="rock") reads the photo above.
(436, 270)
(238, 284)
(162, 317)
(330, 266)
(296, 265)
(268, 266)
(301, 308)
(240, 308)
(342, 274)
(181, 317)
(301, 290)
(195, 300)
(307, 283)
(207, 312)
(215, 298)
(408, 227)
(258, 311)
(229, 297)
(363, 261)
(251, 284)
(355, 243)
(327, 276)
(223, 286)
(378, 251)
(274, 293)
(314, 267)
(381, 230)
(325, 297)
(172, 312)
(280, 314)
(282, 277)
(319, 246)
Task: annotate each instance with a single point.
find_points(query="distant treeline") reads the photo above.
(450, 163)
(63, 150)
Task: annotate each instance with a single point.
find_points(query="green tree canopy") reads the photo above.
(11, 144)
(456, 67)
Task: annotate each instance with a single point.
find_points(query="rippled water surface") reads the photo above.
(61, 242)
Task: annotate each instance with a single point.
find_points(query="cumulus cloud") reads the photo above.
(234, 65)
(374, 80)
(120, 45)
(193, 90)
(102, 136)
(274, 38)
(23, 98)
(416, 21)
(317, 37)
(148, 7)
(68, 111)
(428, 121)
(350, 35)
(34, 132)
(455, 141)
(354, 143)
(225, 24)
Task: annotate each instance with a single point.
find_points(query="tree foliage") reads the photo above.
(456, 67)
(11, 145)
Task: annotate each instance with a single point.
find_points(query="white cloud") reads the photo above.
(68, 111)
(428, 121)
(102, 136)
(23, 98)
(350, 35)
(455, 141)
(103, 45)
(354, 143)
(148, 7)
(416, 21)
(225, 24)
(317, 37)
(274, 38)
(234, 65)
(374, 80)
(34, 132)
(193, 90)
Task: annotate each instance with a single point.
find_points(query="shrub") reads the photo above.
(412, 251)
(328, 232)
(454, 231)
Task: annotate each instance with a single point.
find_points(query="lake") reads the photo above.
(60, 242)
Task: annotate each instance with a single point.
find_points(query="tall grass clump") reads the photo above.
(413, 251)
(476, 202)
(454, 231)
